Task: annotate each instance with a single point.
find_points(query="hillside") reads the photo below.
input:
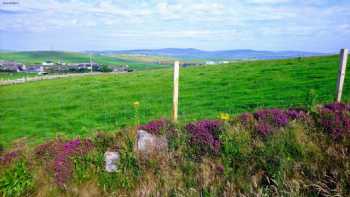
(81, 105)
(37, 57)
(195, 54)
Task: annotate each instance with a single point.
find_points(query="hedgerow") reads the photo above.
(271, 152)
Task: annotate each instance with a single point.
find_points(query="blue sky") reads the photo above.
(74, 25)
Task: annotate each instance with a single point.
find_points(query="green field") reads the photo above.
(82, 105)
(37, 57)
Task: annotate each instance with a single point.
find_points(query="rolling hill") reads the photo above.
(81, 105)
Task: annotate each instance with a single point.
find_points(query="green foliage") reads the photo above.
(16, 181)
(102, 141)
(128, 171)
(279, 154)
(189, 169)
(83, 166)
(105, 68)
(236, 155)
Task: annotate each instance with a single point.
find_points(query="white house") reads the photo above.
(48, 63)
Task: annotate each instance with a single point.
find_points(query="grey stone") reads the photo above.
(148, 143)
(112, 159)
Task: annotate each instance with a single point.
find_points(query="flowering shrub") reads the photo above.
(267, 120)
(297, 114)
(205, 134)
(275, 117)
(247, 120)
(48, 150)
(335, 119)
(8, 158)
(155, 126)
(62, 152)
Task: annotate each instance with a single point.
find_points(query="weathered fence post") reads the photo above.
(343, 56)
(176, 90)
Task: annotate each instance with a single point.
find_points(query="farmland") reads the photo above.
(83, 105)
(36, 57)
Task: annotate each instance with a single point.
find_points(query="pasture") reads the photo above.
(83, 105)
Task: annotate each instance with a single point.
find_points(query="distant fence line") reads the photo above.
(48, 77)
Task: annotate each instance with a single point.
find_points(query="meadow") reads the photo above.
(84, 105)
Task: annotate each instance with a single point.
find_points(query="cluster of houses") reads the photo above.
(61, 67)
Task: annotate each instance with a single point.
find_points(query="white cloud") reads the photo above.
(179, 19)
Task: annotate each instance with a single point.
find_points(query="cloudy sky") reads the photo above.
(310, 25)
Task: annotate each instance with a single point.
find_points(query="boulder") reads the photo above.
(148, 143)
(111, 159)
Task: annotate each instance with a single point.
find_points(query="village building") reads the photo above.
(48, 63)
(11, 66)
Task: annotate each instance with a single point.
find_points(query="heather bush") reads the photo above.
(48, 150)
(205, 136)
(266, 121)
(63, 164)
(334, 119)
(155, 127)
(8, 158)
(60, 154)
(16, 181)
(274, 117)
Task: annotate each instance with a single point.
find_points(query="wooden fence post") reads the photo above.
(343, 56)
(176, 90)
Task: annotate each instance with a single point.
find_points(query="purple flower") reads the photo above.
(220, 169)
(297, 114)
(8, 158)
(155, 126)
(263, 128)
(61, 153)
(335, 119)
(205, 134)
(63, 163)
(337, 107)
(276, 117)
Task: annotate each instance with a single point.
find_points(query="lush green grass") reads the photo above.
(13, 75)
(81, 105)
(37, 57)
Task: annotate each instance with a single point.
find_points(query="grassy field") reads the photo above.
(37, 57)
(82, 105)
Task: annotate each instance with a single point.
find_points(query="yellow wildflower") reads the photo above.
(136, 104)
(224, 116)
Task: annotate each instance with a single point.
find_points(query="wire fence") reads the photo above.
(81, 105)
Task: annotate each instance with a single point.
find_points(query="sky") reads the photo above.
(78, 25)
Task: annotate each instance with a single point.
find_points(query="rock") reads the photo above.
(111, 159)
(148, 143)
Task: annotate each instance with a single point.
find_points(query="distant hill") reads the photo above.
(191, 53)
